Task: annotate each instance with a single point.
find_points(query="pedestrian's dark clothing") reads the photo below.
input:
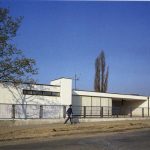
(69, 113)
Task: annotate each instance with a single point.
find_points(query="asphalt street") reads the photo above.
(132, 140)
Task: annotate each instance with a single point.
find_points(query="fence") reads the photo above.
(30, 111)
(33, 111)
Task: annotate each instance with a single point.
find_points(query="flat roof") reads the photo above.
(61, 78)
(30, 83)
(109, 95)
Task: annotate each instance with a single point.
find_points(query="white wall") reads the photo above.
(79, 100)
(93, 105)
(14, 95)
(65, 90)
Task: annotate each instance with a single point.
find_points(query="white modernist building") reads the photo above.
(60, 92)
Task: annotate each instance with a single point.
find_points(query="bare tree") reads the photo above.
(28, 106)
(101, 74)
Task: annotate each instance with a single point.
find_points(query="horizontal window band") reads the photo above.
(42, 93)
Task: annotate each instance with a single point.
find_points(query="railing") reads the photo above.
(34, 111)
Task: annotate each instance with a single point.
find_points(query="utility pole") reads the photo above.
(75, 80)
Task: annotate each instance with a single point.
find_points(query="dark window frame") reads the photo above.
(41, 93)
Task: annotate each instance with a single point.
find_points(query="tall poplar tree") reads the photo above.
(101, 74)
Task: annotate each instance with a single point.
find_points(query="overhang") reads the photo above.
(109, 95)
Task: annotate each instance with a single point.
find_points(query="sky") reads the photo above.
(65, 37)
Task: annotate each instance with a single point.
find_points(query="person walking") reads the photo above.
(69, 114)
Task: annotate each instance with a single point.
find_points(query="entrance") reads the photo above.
(125, 106)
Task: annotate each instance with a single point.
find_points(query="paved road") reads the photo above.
(136, 140)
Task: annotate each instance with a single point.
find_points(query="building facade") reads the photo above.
(36, 98)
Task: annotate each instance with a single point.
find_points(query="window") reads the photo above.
(55, 94)
(36, 92)
(43, 93)
(47, 93)
(27, 92)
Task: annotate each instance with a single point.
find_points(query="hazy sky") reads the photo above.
(65, 38)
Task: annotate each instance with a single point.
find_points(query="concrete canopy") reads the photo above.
(110, 95)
